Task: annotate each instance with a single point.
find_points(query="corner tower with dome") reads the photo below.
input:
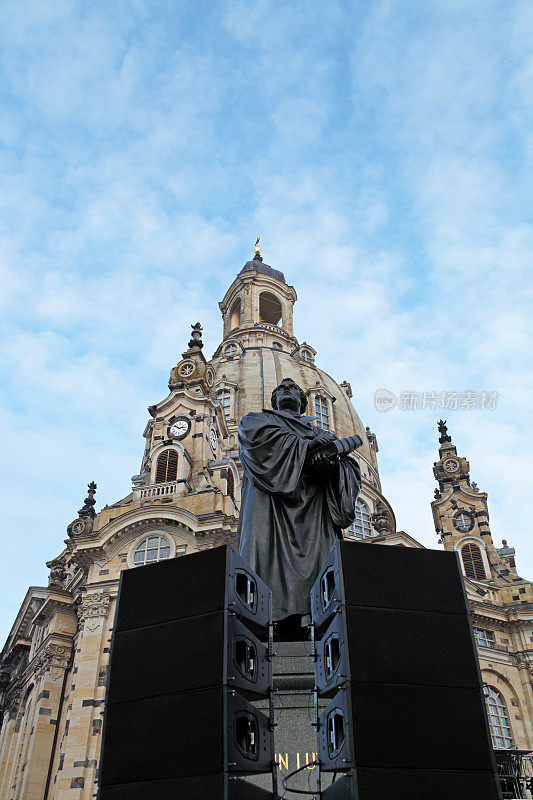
(185, 498)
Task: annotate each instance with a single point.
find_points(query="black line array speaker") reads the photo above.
(395, 655)
(217, 786)
(189, 653)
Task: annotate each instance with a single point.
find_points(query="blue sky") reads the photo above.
(381, 149)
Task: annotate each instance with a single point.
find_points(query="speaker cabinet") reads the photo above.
(188, 586)
(397, 726)
(395, 657)
(219, 786)
(184, 734)
(406, 578)
(183, 655)
(387, 645)
(187, 656)
(405, 784)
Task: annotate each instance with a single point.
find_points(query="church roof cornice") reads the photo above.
(35, 597)
(196, 400)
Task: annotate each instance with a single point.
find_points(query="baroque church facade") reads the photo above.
(186, 498)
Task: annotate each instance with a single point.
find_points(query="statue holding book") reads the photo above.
(299, 490)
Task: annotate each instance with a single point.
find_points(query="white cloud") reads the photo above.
(378, 149)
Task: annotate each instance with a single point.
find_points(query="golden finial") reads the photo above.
(257, 249)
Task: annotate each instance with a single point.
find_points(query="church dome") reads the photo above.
(256, 265)
(256, 371)
(259, 349)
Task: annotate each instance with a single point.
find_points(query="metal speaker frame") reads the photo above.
(248, 664)
(331, 662)
(248, 739)
(327, 591)
(335, 734)
(246, 594)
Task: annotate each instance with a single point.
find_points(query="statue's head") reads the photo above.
(289, 397)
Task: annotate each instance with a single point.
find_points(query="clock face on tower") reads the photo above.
(451, 465)
(213, 439)
(179, 428)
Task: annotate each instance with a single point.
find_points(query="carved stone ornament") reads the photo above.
(12, 700)
(92, 610)
(84, 523)
(443, 430)
(214, 538)
(58, 573)
(54, 660)
(381, 519)
(347, 389)
(87, 510)
(175, 381)
(196, 336)
(5, 679)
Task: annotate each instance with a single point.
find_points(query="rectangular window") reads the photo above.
(321, 411)
(224, 397)
(484, 638)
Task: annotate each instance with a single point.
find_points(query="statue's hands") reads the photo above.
(320, 440)
(324, 463)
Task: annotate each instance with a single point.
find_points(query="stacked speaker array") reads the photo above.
(395, 657)
(189, 652)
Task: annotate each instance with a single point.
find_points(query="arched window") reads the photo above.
(500, 729)
(473, 562)
(167, 467)
(230, 350)
(269, 308)
(306, 356)
(153, 548)
(322, 412)
(235, 315)
(224, 396)
(230, 483)
(360, 527)
(276, 346)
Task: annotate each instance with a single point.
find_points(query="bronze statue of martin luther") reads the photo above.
(298, 492)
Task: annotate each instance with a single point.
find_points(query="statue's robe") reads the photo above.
(290, 513)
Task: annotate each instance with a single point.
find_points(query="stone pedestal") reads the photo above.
(294, 734)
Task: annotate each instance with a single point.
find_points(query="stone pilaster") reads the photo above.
(247, 306)
(80, 748)
(8, 743)
(50, 672)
